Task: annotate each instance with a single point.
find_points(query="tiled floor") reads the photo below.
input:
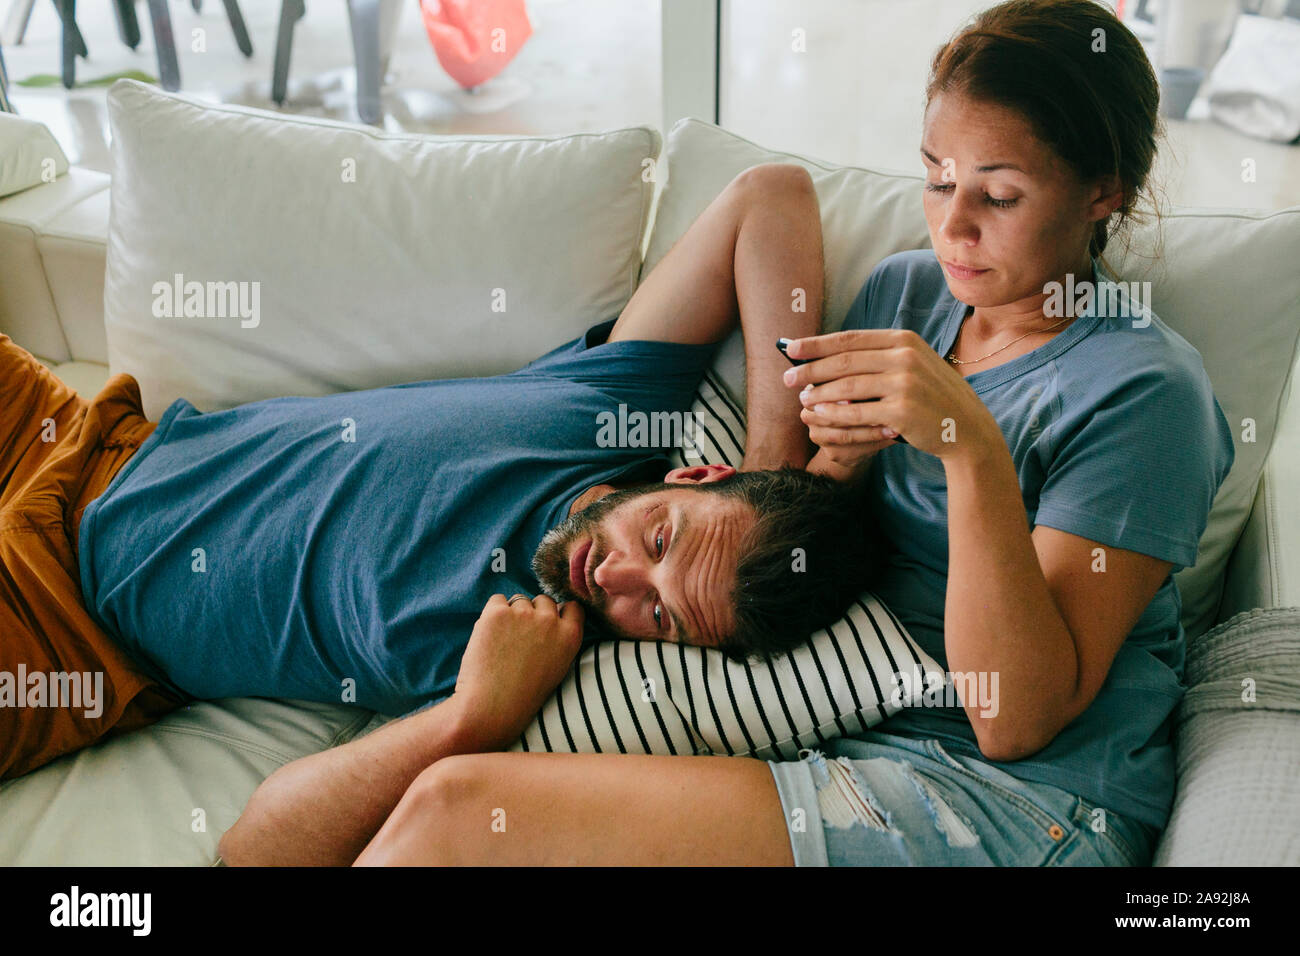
(574, 73)
(853, 97)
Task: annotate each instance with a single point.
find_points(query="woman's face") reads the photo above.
(1006, 215)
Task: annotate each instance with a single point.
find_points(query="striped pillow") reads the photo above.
(657, 698)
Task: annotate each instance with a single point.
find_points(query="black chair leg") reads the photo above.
(67, 14)
(365, 50)
(237, 24)
(169, 73)
(5, 105)
(78, 41)
(128, 26)
(291, 11)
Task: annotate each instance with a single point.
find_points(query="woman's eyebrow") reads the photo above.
(992, 167)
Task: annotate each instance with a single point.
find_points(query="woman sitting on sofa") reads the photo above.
(1057, 469)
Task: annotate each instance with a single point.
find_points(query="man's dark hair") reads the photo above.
(814, 547)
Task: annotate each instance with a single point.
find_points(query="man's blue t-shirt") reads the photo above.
(285, 547)
(1117, 437)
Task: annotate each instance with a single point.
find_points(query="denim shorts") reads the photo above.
(883, 800)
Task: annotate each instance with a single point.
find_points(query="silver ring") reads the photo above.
(520, 597)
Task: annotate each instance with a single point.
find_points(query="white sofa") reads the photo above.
(564, 228)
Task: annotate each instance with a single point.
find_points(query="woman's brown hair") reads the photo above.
(1079, 77)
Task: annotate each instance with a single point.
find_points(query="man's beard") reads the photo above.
(551, 562)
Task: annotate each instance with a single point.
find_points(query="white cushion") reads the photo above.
(87, 379)
(163, 795)
(1254, 87)
(1264, 571)
(398, 276)
(655, 698)
(29, 154)
(1227, 282)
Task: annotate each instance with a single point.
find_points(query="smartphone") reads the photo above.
(784, 344)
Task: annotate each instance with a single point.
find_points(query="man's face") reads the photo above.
(651, 563)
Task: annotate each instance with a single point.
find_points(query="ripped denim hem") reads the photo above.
(799, 804)
(821, 795)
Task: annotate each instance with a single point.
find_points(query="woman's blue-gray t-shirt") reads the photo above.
(1116, 437)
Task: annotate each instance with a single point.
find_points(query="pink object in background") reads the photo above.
(475, 39)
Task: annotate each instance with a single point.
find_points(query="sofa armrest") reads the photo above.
(1264, 570)
(1237, 746)
(52, 259)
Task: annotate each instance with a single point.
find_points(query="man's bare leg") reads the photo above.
(587, 809)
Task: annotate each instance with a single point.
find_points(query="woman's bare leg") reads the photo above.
(586, 809)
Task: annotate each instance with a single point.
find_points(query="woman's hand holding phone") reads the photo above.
(837, 461)
(865, 389)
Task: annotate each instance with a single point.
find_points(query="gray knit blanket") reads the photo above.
(1237, 744)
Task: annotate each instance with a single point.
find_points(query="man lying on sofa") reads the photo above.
(342, 548)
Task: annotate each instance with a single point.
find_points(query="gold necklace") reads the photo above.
(952, 354)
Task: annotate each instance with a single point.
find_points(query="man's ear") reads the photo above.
(699, 474)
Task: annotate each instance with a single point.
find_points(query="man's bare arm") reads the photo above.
(322, 810)
(823, 464)
(754, 256)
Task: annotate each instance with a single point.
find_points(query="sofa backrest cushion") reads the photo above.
(1228, 281)
(253, 255)
(1225, 280)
